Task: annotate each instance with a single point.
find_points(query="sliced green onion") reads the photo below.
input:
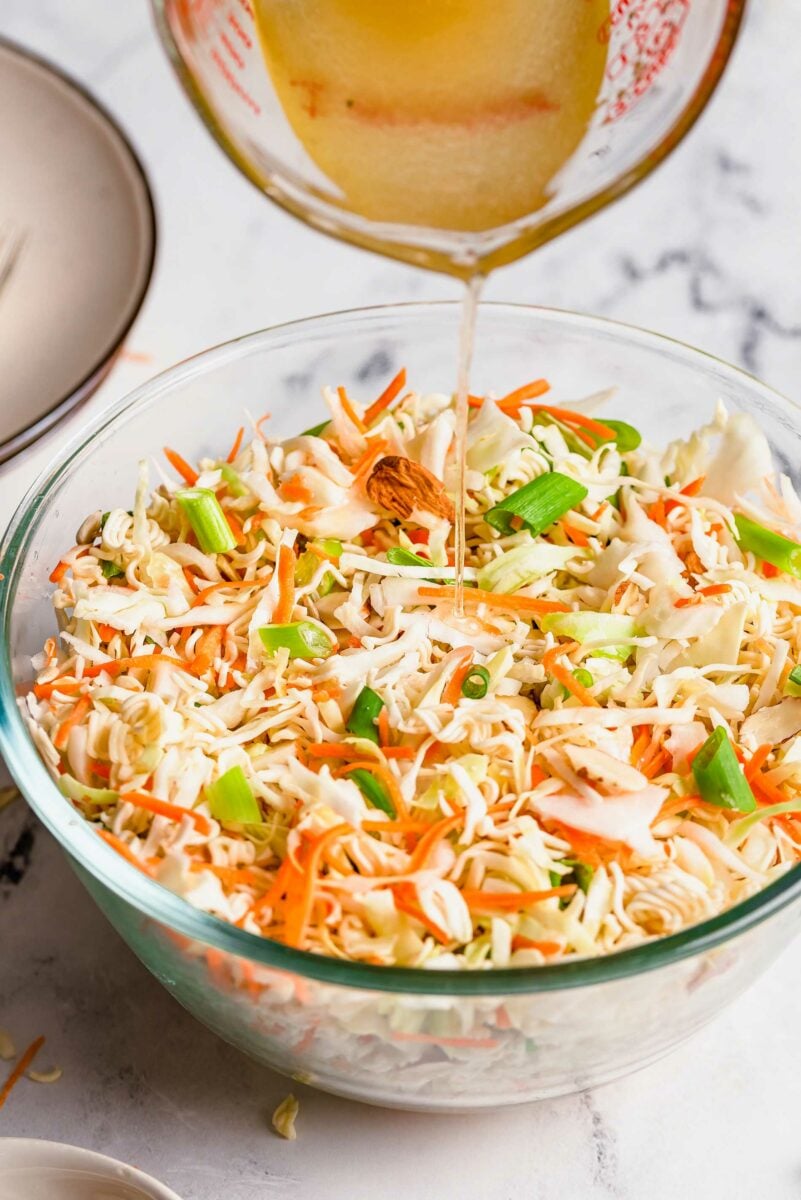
(399, 556)
(232, 480)
(779, 551)
(326, 585)
(231, 799)
(793, 685)
(316, 430)
(303, 639)
(75, 790)
(718, 776)
(207, 519)
(110, 569)
(364, 714)
(537, 503)
(305, 568)
(330, 546)
(373, 790)
(583, 872)
(626, 436)
(475, 683)
(584, 627)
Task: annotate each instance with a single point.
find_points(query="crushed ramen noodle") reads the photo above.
(262, 697)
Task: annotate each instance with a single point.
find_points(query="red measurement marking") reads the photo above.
(643, 36)
(247, 7)
(235, 55)
(246, 41)
(233, 82)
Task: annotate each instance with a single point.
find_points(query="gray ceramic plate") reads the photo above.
(77, 242)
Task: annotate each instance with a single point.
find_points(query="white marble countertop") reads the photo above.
(707, 250)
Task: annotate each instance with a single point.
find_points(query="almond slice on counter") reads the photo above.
(404, 487)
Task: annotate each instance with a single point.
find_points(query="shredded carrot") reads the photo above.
(235, 527)
(406, 902)
(387, 396)
(538, 776)
(525, 604)
(577, 536)
(694, 487)
(657, 513)
(453, 691)
(385, 776)
(765, 789)
(62, 684)
(232, 453)
(296, 491)
(384, 734)
(320, 553)
(519, 942)
(655, 763)
(376, 448)
(107, 632)
(187, 473)
(769, 571)
(715, 589)
(162, 808)
(286, 585)
(78, 713)
(119, 845)
(300, 910)
(640, 747)
(404, 752)
(59, 571)
(204, 596)
(600, 510)
(333, 750)
(758, 760)
(407, 825)
(208, 647)
(101, 770)
(509, 901)
(23, 1063)
(425, 847)
(571, 416)
(191, 578)
(564, 676)
(349, 410)
(230, 876)
(529, 391)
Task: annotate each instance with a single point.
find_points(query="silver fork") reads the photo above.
(12, 240)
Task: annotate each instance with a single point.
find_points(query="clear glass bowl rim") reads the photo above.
(156, 902)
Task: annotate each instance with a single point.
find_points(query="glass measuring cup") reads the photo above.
(650, 67)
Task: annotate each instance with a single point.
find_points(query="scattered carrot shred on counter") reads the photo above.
(23, 1063)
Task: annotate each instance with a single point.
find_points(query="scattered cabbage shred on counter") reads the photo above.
(262, 698)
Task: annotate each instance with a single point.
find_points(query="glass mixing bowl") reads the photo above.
(420, 1039)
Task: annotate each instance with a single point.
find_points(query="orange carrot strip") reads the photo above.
(657, 513)
(299, 913)
(119, 845)
(568, 680)
(405, 752)
(162, 808)
(384, 735)
(295, 490)
(286, 585)
(59, 571)
(208, 647)
(333, 750)
(232, 453)
(407, 825)
(538, 776)
(323, 554)
(107, 632)
(62, 684)
(203, 597)
(715, 589)
(387, 396)
(694, 487)
(189, 474)
(235, 527)
(349, 410)
(75, 717)
(509, 901)
(376, 449)
(573, 418)
(525, 604)
(519, 942)
(22, 1065)
(529, 391)
(191, 578)
(453, 690)
(116, 666)
(577, 536)
(758, 760)
(656, 763)
(405, 902)
(769, 571)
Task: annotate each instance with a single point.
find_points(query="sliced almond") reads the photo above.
(403, 487)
